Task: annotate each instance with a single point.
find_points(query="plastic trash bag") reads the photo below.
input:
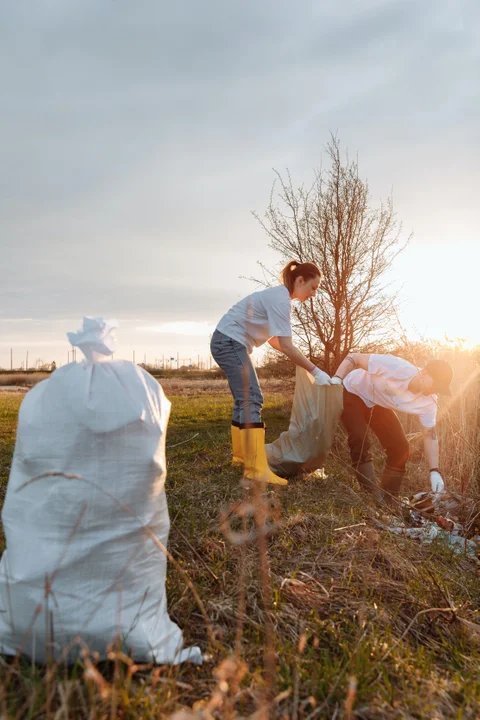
(88, 472)
(315, 414)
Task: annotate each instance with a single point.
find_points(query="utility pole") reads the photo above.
(26, 362)
(11, 358)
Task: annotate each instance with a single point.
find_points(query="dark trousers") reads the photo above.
(357, 418)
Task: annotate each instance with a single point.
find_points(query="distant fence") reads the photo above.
(24, 362)
(30, 376)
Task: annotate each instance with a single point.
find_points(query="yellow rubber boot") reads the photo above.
(237, 453)
(255, 457)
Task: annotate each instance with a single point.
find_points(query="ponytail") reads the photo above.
(294, 269)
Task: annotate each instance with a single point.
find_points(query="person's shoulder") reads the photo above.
(281, 290)
(390, 365)
(392, 361)
(381, 360)
(277, 294)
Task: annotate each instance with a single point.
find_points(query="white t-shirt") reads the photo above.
(386, 384)
(258, 317)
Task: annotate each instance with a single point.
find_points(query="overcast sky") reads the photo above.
(137, 137)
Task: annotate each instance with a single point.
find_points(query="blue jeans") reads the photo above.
(235, 362)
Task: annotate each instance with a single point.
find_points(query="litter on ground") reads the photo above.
(446, 516)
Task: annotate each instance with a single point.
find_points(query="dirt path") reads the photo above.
(13, 390)
(192, 388)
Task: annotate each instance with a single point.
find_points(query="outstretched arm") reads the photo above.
(352, 362)
(430, 444)
(285, 345)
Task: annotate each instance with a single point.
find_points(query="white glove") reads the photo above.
(436, 481)
(321, 378)
(336, 380)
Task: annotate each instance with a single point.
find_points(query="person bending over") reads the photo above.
(375, 388)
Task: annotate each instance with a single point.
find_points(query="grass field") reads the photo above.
(366, 624)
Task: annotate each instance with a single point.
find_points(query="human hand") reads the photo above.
(436, 481)
(335, 380)
(321, 378)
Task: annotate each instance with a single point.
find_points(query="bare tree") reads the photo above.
(332, 224)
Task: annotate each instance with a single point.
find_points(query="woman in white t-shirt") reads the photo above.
(263, 316)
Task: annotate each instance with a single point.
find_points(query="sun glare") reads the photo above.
(439, 292)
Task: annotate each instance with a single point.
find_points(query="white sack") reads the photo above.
(105, 422)
(315, 414)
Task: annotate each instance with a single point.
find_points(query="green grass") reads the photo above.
(8, 424)
(345, 603)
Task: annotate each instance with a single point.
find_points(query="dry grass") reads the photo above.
(22, 379)
(178, 386)
(283, 388)
(366, 624)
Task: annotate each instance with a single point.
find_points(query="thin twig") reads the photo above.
(404, 634)
(347, 527)
(197, 554)
(183, 441)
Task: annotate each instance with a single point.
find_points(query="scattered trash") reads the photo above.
(445, 516)
(454, 506)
